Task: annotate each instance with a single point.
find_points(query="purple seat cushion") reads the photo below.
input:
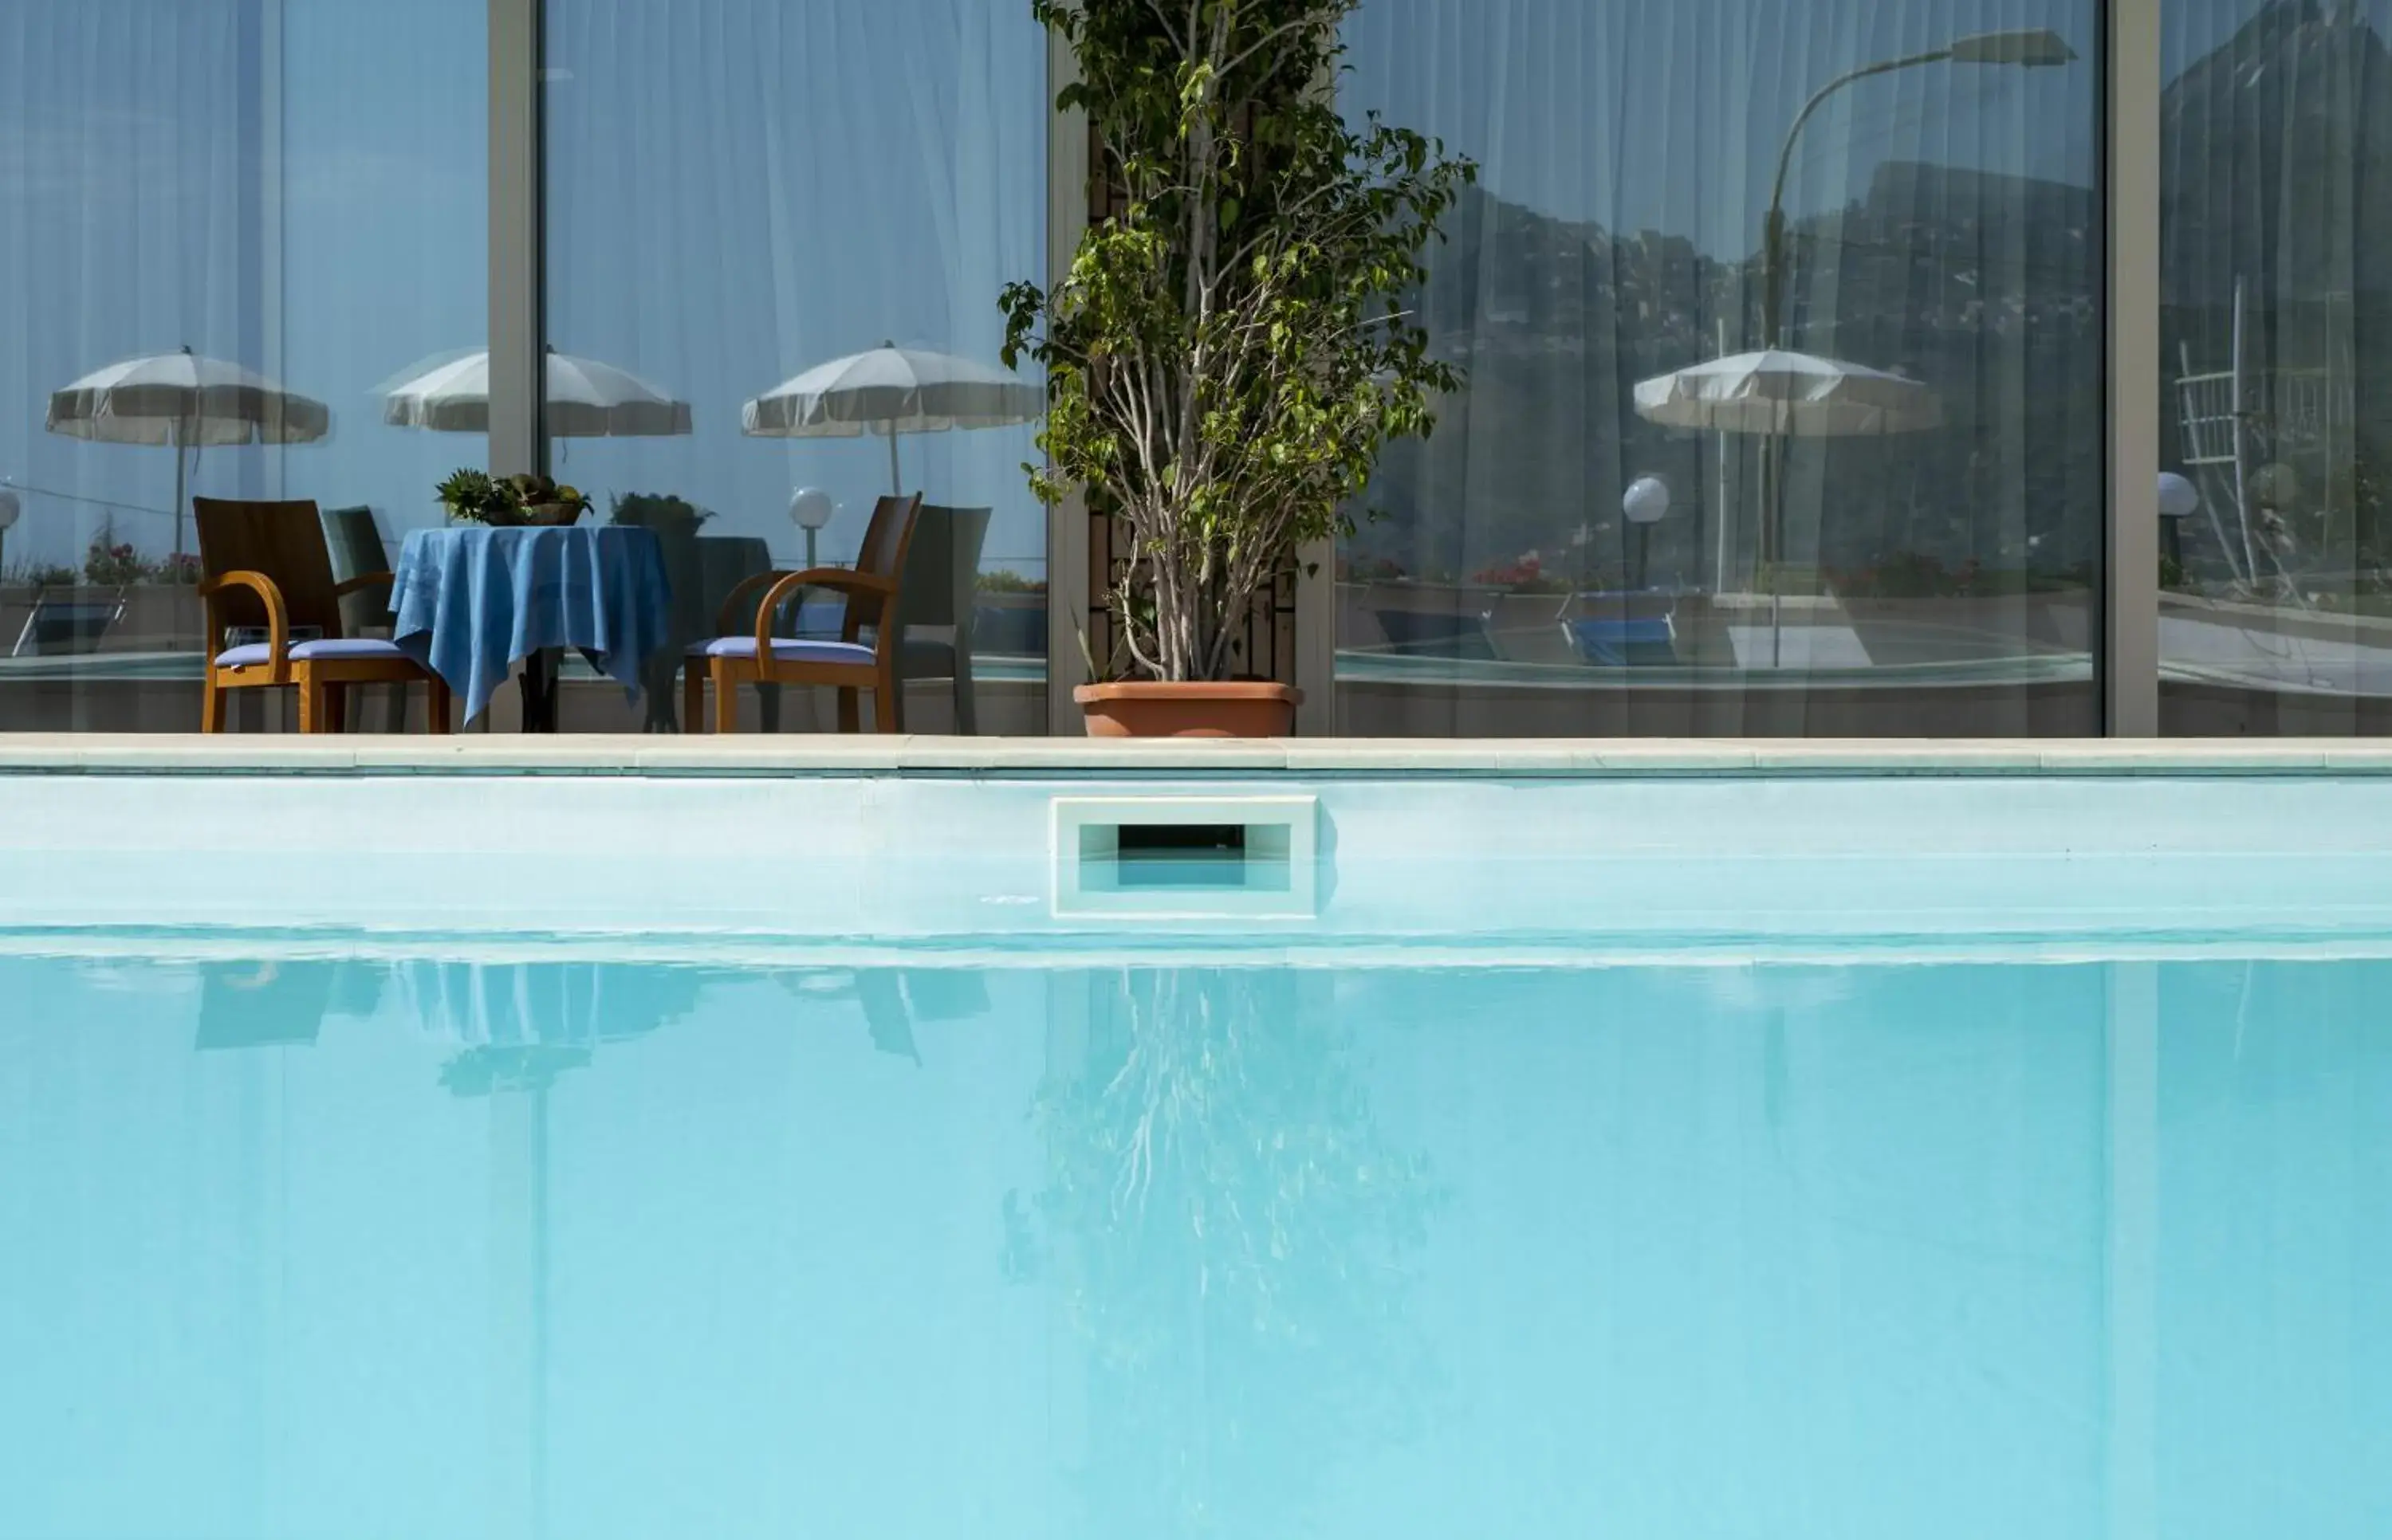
(309, 652)
(786, 651)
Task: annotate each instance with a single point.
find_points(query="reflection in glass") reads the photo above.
(230, 220)
(798, 218)
(1829, 275)
(2276, 604)
(582, 399)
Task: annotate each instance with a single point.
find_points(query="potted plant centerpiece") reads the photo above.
(476, 496)
(1229, 350)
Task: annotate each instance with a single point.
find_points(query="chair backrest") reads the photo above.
(1617, 643)
(355, 541)
(357, 550)
(1432, 634)
(943, 566)
(727, 561)
(889, 535)
(285, 541)
(679, 544)
(887, 539)
(60, 624)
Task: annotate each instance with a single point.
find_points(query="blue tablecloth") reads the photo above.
(470, 602)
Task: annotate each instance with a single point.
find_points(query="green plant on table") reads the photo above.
(1227, 353)
(476, 496)
(473, 497)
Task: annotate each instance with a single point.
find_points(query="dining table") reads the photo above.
(472, 602)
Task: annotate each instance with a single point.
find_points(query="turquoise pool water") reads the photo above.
(461, 1241)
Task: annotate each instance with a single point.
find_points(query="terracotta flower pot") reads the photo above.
(1147, 708)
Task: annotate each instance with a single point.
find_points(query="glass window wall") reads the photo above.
(775, 236)
(1783, 339)
(1783, 328)
(2276, 565)
(227, 228)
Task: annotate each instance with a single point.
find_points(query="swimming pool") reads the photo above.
(1379, 1223)
(424, 1241)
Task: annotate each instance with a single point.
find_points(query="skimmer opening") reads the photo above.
(1184, 858)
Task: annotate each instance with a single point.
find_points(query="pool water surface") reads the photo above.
(447, 1240)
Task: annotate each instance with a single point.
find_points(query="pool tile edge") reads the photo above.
(1019, 757)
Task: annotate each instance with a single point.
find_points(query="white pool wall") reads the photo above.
(912, 839)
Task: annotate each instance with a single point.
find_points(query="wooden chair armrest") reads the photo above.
(277, 618)
(851, 586)
(781, 585)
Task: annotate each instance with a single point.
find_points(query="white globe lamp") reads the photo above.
(1646, 500)
(1645, 503)
(810, 508)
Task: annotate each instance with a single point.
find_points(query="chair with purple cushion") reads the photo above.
(847, 664)
(274, 617)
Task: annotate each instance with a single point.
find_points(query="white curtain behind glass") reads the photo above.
(1944, 226)
(741, 190)
(384, 234)
(297, 188)
(128, 196)
(2276, 213)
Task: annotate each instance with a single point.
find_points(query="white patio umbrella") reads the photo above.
(583, 399)
(1784, 394)
(1788, 396)
(892, 389)
(185, 402)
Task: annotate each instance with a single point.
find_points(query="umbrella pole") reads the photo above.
(175, 437)
(1773, 540)
(896, 480)
(1719, 536)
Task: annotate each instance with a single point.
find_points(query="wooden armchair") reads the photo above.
(849, 664)
(266, 567)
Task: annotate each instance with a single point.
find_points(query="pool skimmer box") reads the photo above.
(1186, 858)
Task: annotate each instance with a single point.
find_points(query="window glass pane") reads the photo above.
(1629, 521)
(294, 191)
(747, 201)
(2276, 568)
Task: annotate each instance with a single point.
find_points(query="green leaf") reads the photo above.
(1231, 428)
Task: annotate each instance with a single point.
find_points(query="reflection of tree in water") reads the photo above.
(1232, 1231)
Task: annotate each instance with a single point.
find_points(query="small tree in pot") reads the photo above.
(1228, 351)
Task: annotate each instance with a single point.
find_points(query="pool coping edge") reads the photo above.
(1036, 758)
